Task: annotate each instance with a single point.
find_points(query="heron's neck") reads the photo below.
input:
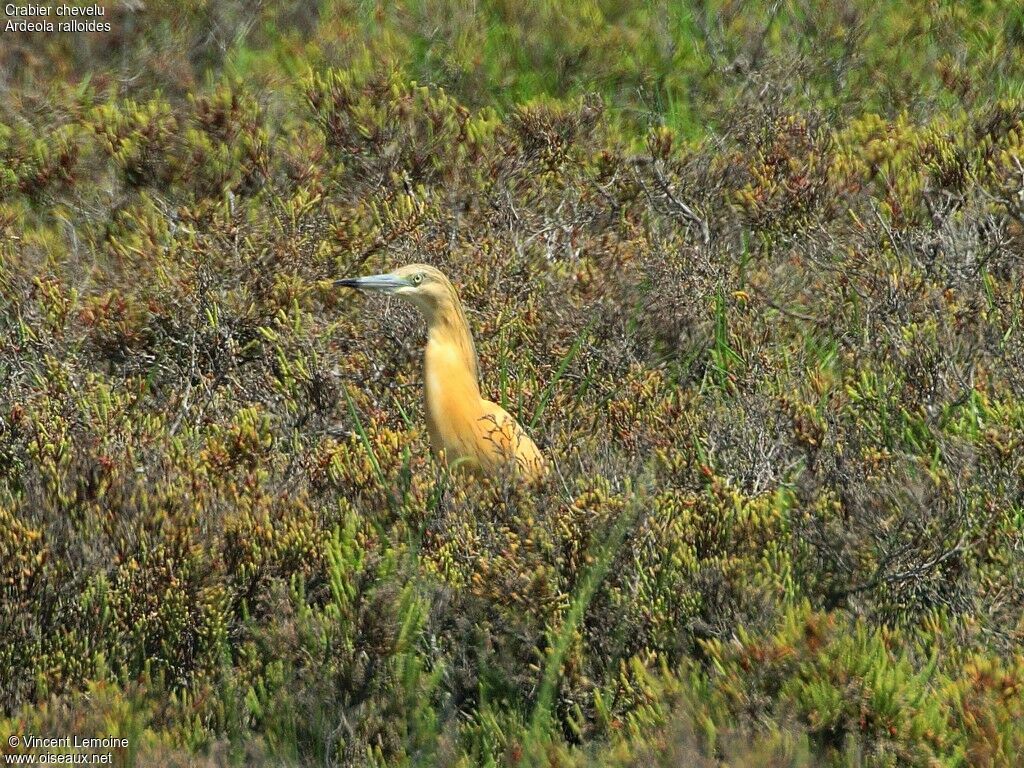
(450, 352)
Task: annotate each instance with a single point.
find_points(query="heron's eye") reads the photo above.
(417, 278)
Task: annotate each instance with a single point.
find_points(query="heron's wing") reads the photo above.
(501, 440)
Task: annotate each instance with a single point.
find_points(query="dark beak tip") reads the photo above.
(346, 282)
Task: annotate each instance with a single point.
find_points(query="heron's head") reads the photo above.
(422, 285)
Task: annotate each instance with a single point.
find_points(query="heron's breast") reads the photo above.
(452, 402)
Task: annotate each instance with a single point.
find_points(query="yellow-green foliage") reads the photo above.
(777, 367)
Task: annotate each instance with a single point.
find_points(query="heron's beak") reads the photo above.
(379, 283)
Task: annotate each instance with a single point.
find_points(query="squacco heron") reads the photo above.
(466, 431)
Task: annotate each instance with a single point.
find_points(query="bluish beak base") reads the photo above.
(380, 283)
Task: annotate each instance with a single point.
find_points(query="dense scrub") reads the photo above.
(778, 368)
